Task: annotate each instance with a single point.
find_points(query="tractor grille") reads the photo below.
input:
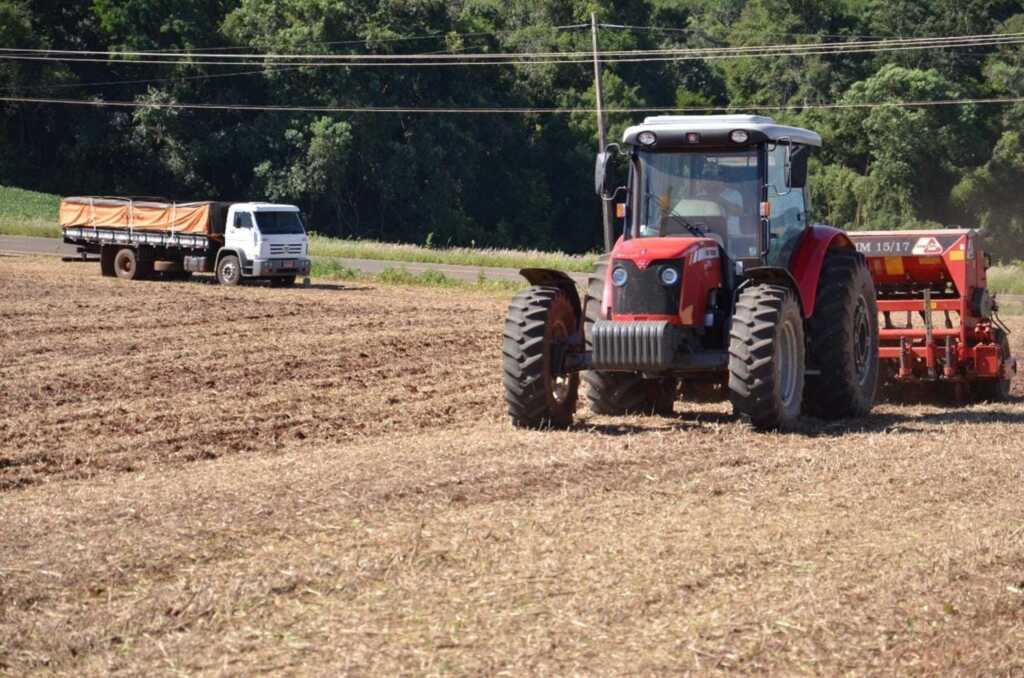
(634, 345)
(282, 250)
(643, 293)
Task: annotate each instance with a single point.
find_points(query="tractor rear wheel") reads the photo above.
(995, 390)
(766, 357)
(843, 340)
(619, 393)
(540, 324)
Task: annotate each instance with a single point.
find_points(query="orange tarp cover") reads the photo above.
(144, 216)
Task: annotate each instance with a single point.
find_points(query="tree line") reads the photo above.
(508, 179)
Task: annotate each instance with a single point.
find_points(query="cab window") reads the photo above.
(243, 220)
(712, 193)
(788, 209)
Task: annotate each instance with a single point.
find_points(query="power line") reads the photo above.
(410, 38)
(879, 45)
(692, 31)
(527, 59)
(507, 110)
(153, 81)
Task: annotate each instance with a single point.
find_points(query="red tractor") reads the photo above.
(719, 282)
(940, 323)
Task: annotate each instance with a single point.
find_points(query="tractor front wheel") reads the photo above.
(539, 329)
(844, 340)
(766, 357)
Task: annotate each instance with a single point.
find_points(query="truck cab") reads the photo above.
(263, 240)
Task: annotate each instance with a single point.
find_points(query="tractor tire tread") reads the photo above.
(523, 361)
(834, 393)
(759, 310)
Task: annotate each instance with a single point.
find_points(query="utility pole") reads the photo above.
(606, 217)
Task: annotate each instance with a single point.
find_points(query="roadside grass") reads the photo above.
(330, 269)
(323, 246)
(34, 228)
(28, 213)
(1006, 279)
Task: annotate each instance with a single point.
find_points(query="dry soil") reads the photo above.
(196, 479)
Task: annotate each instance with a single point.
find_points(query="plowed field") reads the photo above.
(200, 479)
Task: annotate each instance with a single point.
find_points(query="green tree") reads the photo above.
(910, 156)
(992, 195)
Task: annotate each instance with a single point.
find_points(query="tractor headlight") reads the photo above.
(647, 138)
(740, 137)
(669, 276)
(619, 277)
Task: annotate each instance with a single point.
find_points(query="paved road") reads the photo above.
(22, 245)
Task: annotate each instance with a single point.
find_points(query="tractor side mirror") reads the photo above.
(604, 181)
(797, 158)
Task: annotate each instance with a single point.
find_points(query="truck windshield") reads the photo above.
(712, 193)
(280, 223)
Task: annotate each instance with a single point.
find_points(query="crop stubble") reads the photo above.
(195, 478)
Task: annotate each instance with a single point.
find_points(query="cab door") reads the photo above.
(240, 233)
(788, 218)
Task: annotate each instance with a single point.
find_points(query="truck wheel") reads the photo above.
(995, 390)
(127, 265)
(766, 357)
(843, 340)
(619, 393)
(538, 328)
(229, 271)
(107, 255)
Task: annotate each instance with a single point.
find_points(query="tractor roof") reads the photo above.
(718, 128)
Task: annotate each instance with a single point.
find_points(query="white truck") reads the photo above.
(137, 238)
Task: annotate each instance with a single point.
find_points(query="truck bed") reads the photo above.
(196, 218)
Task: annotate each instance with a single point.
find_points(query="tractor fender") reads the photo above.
(807, 261)
(552, 278)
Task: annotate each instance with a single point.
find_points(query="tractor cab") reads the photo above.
(738, 180)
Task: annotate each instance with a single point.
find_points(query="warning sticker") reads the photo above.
(927, 247)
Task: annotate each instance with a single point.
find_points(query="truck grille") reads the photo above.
(282, 250)
(643, 293)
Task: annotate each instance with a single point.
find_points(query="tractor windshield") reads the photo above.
(714, 193)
